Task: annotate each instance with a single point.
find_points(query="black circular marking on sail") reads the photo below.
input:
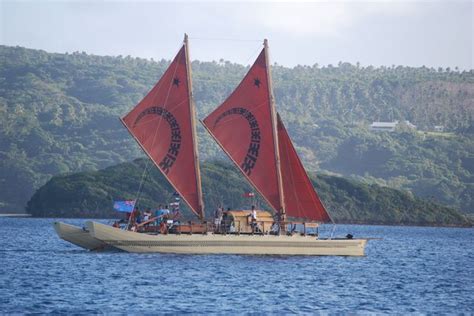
(175, 143)
(251, 158)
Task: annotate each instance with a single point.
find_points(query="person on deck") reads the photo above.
(166, 212)
(132, 219)
(158, 209)
(175, 213)
(147, 214)
(162, 214)
(253, 214)
(127, 218)
(253, 218)
(163, 228)
(218, 214)
(157, 214)
(225, 224)
(138, 216)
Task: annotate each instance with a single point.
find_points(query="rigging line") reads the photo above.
(224, 39)
(212, 80)
(333, 230)
(138, 193)
(142, 181)
(252, 56)
(155, 134)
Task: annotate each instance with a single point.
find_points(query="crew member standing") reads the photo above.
(218, 218)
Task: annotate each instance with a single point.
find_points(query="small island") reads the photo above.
(91, 194)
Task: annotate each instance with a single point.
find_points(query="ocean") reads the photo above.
(410, 270)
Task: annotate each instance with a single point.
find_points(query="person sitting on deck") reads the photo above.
(147, 214)
(163, 228)
(176, 214)
(162, 214)
(166, 212)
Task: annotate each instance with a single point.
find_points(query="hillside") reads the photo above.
(59, 113)
(91, 194)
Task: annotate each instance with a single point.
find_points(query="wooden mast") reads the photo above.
(275, 136)
(193, 126)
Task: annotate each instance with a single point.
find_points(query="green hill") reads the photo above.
(59, 113)
(91, 194)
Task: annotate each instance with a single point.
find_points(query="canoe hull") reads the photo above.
(226, 244)
(78, 236)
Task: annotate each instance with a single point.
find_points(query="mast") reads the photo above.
(275, 133)
(193, 126)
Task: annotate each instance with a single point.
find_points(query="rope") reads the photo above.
(224, 39)
(332, 230)
(252, 56)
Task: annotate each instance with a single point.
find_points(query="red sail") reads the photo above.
(242, 126)
(301, 200)
(163, 125)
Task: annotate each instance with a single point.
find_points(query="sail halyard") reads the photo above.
(281, 211)
(162, 125)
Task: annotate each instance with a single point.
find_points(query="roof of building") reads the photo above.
(384, 124)
(390, 124)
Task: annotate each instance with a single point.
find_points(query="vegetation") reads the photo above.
(91, 194)
(58, 114)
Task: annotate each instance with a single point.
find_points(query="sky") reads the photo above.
(409, 33)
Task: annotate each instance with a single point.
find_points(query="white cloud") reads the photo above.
(323, 18)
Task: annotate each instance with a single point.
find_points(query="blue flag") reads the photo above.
(124, 206)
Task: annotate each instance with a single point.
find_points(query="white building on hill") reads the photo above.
(389, 126)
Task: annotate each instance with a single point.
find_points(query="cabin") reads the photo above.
(233, 222)
(241, 222)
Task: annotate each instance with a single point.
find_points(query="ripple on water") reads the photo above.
(404, 272)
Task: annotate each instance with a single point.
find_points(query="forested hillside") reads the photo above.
(59, 113)
(91, 194)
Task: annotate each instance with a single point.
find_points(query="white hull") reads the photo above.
(226, 244)
(78, 236)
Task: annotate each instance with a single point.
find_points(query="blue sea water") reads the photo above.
(412, 269)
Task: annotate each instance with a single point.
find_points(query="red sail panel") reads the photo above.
(242, 126)
(301, 199)
(162, 125)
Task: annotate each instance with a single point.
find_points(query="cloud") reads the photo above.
(322, 18)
